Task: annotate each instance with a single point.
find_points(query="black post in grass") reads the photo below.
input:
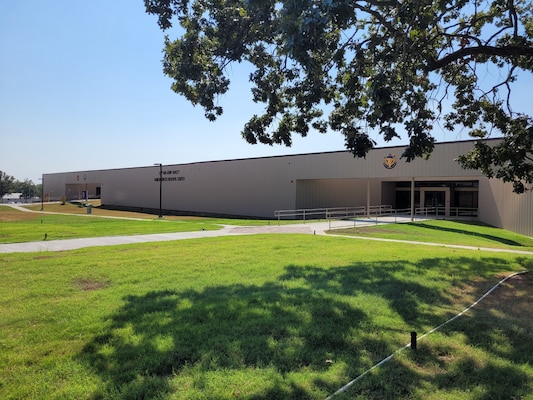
(413, 340)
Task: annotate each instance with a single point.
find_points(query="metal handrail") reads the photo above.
(453, 211)
(339, 213)
(332, 212)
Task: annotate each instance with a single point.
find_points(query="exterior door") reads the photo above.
(438, 198)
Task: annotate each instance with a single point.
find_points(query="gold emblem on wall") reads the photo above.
(390, 161)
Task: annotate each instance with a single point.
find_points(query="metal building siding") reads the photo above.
(500, 207)
(238, 187)
(441, 164)
(258, 187)
(324, 166)
(132, 187)
(322, 193)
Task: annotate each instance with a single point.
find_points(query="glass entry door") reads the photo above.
(436, 200)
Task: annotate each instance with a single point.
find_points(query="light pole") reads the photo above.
(42, 193)
(160, 188)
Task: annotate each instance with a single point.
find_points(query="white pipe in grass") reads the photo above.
(353, 381)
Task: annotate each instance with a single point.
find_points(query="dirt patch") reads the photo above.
(272, 229)
(90, 284)
(15, 215)
(514, 297)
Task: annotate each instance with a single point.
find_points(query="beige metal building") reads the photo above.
(258, 187)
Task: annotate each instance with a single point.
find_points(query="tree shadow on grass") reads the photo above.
(494, 365)
(455, 379)
(156, 335)
(300, 322)
(409, 288)
(469, 232)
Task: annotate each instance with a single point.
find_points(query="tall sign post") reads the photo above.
(160, 189)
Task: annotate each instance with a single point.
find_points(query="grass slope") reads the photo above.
(19, 226)
(258, 317)
(466, 233)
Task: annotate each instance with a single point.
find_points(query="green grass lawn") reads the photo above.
(99, 210)
(57, 227)
(466, 233)
(259, 317)
(18, 226)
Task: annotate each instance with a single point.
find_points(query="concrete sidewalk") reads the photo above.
(307, 227)
(310, 228)
(72, 244)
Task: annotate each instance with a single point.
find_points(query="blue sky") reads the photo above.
(82, 87)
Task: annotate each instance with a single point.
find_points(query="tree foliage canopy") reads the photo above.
(26, 188)
(397, 67)
(6, 183)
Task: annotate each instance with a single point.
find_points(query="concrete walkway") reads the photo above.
(310, 228)
(72, 244)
